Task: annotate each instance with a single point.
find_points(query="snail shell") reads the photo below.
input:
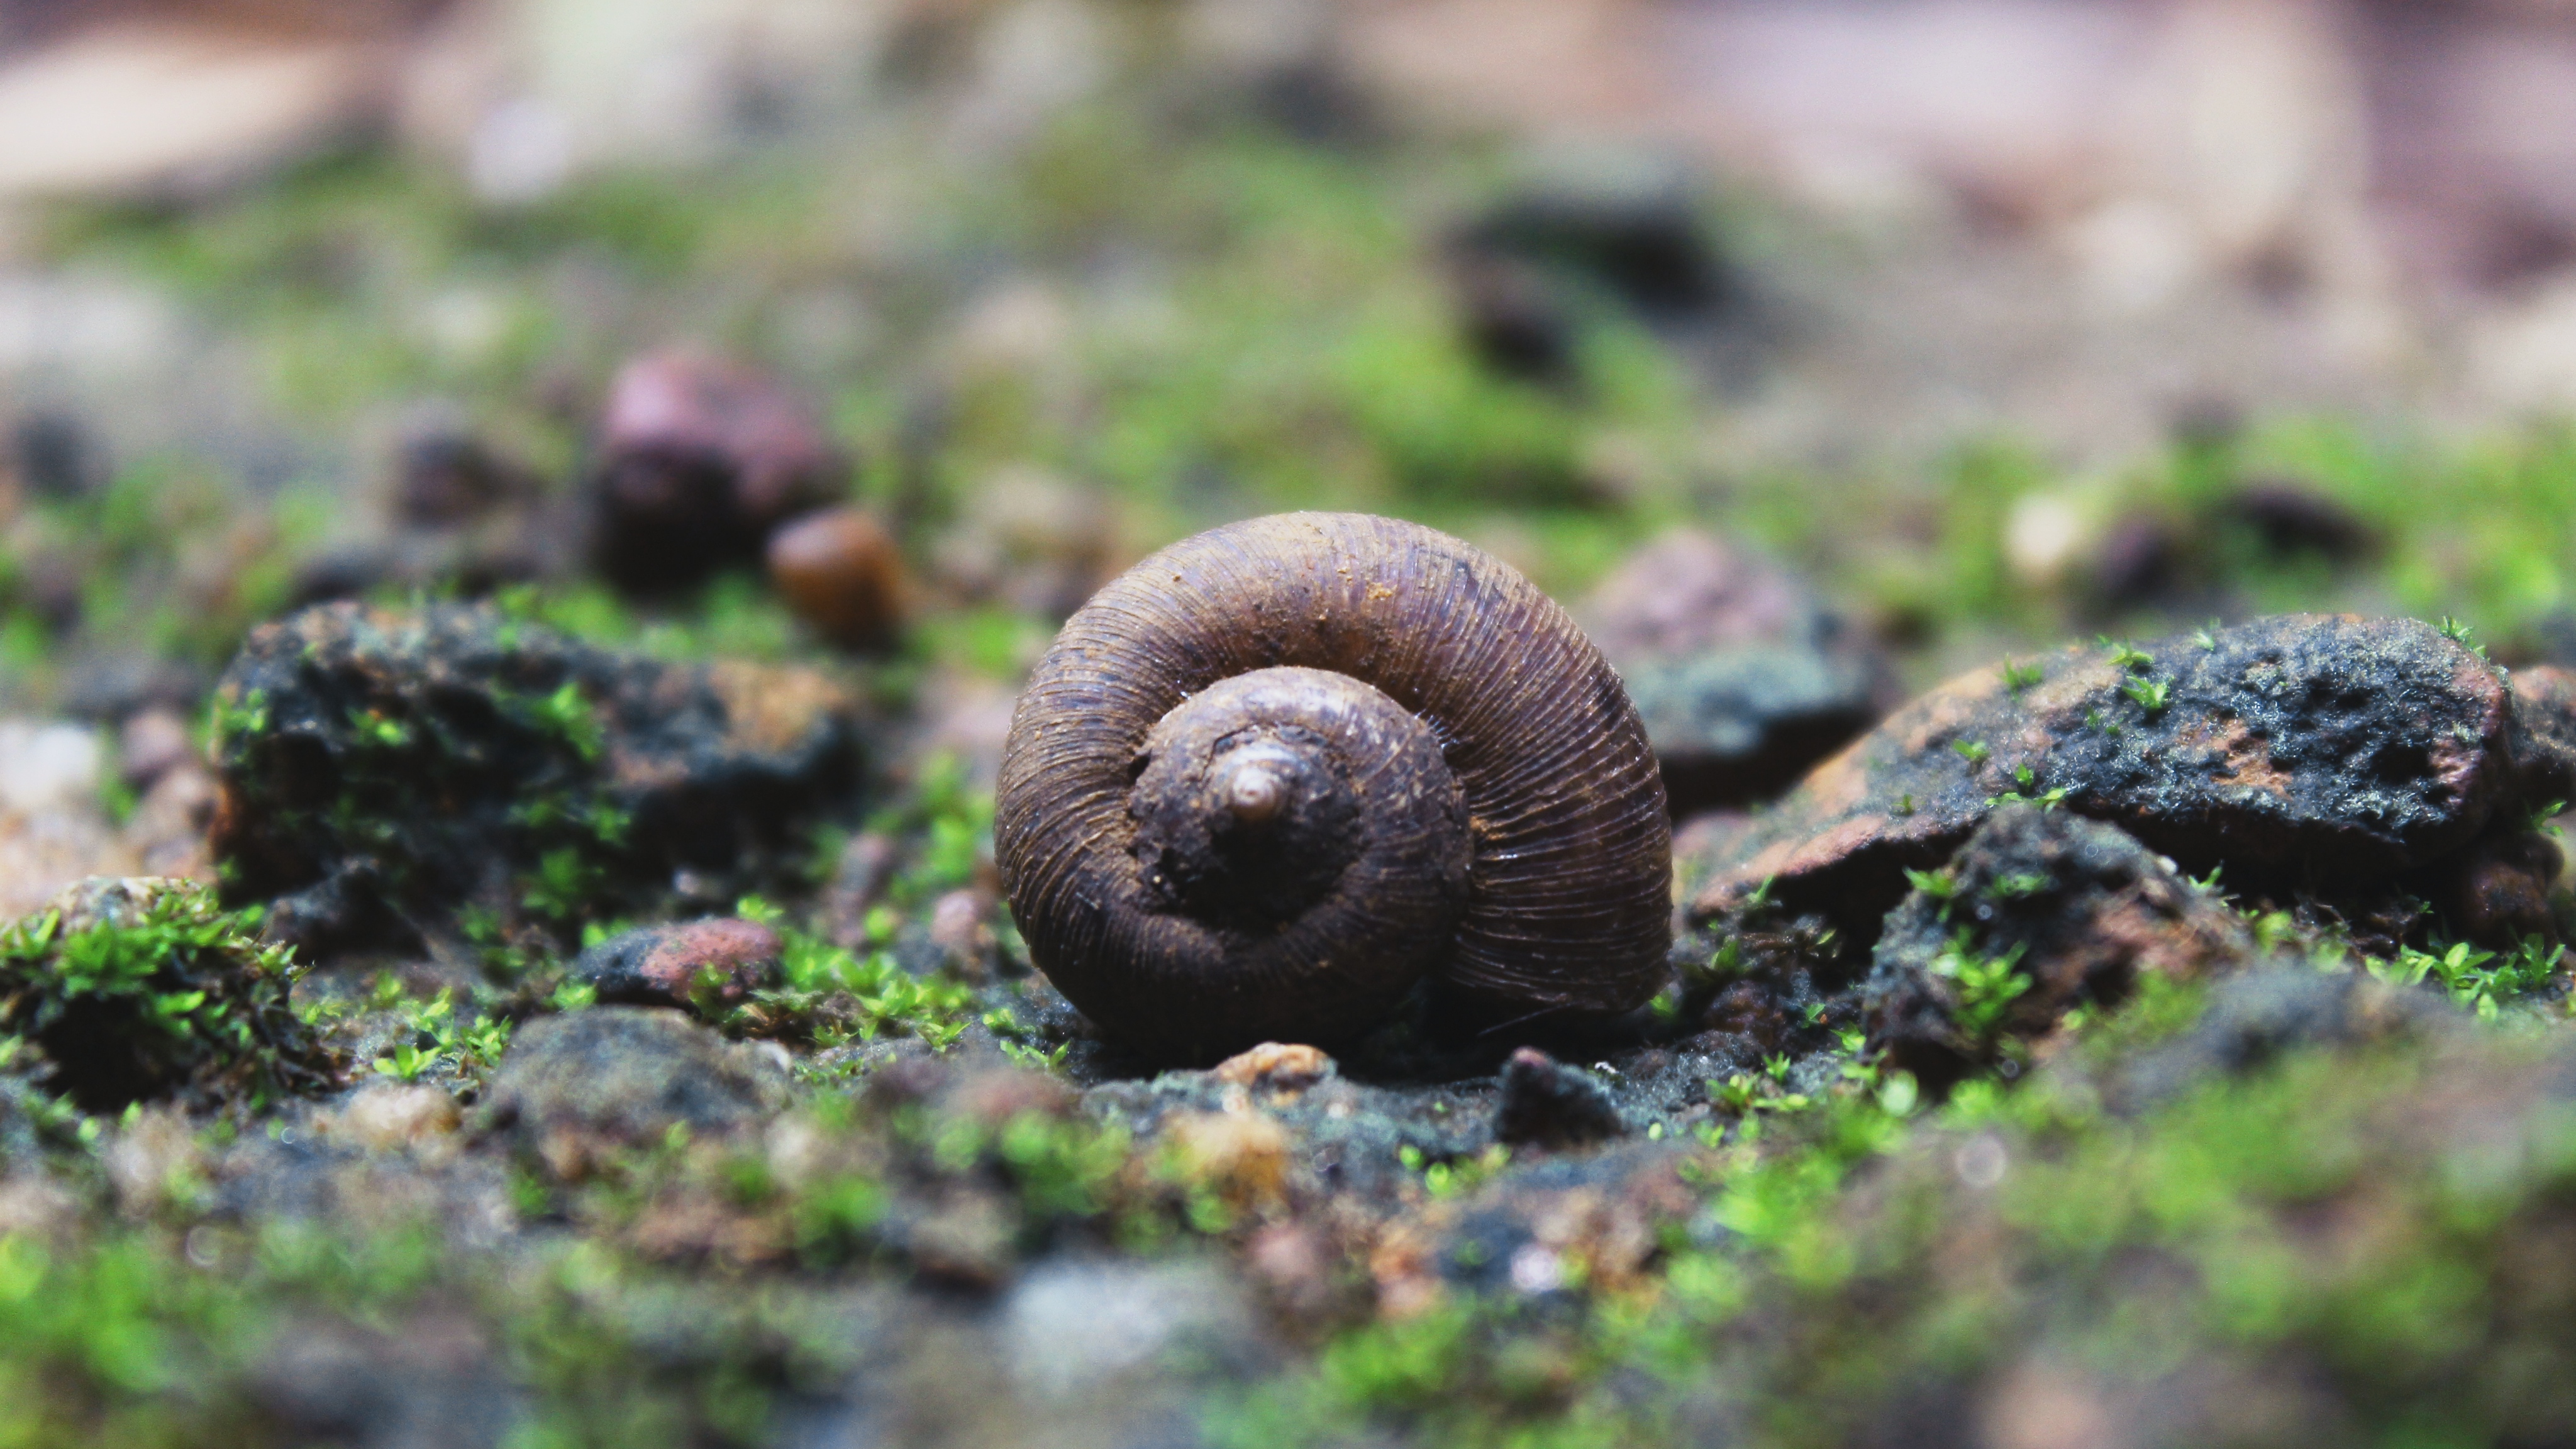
(1274, 775)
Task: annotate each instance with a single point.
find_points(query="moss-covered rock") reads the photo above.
(393, 774)
(143, 989)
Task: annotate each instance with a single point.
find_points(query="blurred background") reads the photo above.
(1952, 327)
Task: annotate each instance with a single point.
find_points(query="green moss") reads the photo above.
(135, 991)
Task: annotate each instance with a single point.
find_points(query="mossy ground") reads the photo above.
(2372, 1225)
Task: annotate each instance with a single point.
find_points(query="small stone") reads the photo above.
(54, 455)
(1241, 1157)
(1281, 1066)
(959, 934)
(150, 744)
(838, 569)
(1742, 676)
(2294, 748)
(573, 1086)
(1077, 1326)
(389, 1115)
(1546, 1104)
(47, 767)
(699, 965)
(700, 458)
(2290, 517)
(444, 476)
(2080, 910)
(2497, 892)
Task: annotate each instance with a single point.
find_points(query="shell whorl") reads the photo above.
(1566, 899)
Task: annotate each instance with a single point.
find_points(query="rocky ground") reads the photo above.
(504, 681)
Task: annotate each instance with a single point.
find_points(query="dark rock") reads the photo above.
(383, 770)
(1530, 269)
(699, 459)
(1547, 1104)
(838, 569)
(2296, 748)
(445, 476)
(2497, 891)
(1742, 676)
(573, 1086)
(55, 456)
(2290, 517)
(704, 965)
(2076, 907)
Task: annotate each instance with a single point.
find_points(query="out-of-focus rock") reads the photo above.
(150, 744)
(2039, 912)
(1532, 268)
(2292, 517)
(110, 687)
(445, 475)
(2497, 893)
(700, 458)
(1073, 1329)
(384, 769)
(48, 767)
(1035, 540)
(53, 454)
(1742, 676)
(158, 108)
(697, 965)
(839, 570)
(1547, 1104)
(387, 1115)
(576, 1086)
(2316, 748)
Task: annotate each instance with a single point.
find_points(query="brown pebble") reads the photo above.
(839, 571)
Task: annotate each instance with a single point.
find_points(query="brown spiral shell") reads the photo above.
(1421, 707)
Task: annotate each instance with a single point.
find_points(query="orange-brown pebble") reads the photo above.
(1285, 1066)
(1242, 1158)
(838, 569)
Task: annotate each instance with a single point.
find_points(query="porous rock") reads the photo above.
(1742, 675)
(711, 963)
(383, 769)
(2296, 748)
(2078, 907)
(615, 1076)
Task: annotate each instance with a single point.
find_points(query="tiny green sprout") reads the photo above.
(2018, 885)
(2125, 655)
(2537, 820)
(1816, 1014)
(1777, 1066)
(2206, 636)
(2094, 721)
(2151, 694)
(1904, 804)
(1851, 1039)
(574, 996)
(758, 911)
(406, 1062)
(1761, 897)
(2209, 882)
(2025, 776)
(1941, 884)
(2457, 631)
(2018, 677)
(1972, 751)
